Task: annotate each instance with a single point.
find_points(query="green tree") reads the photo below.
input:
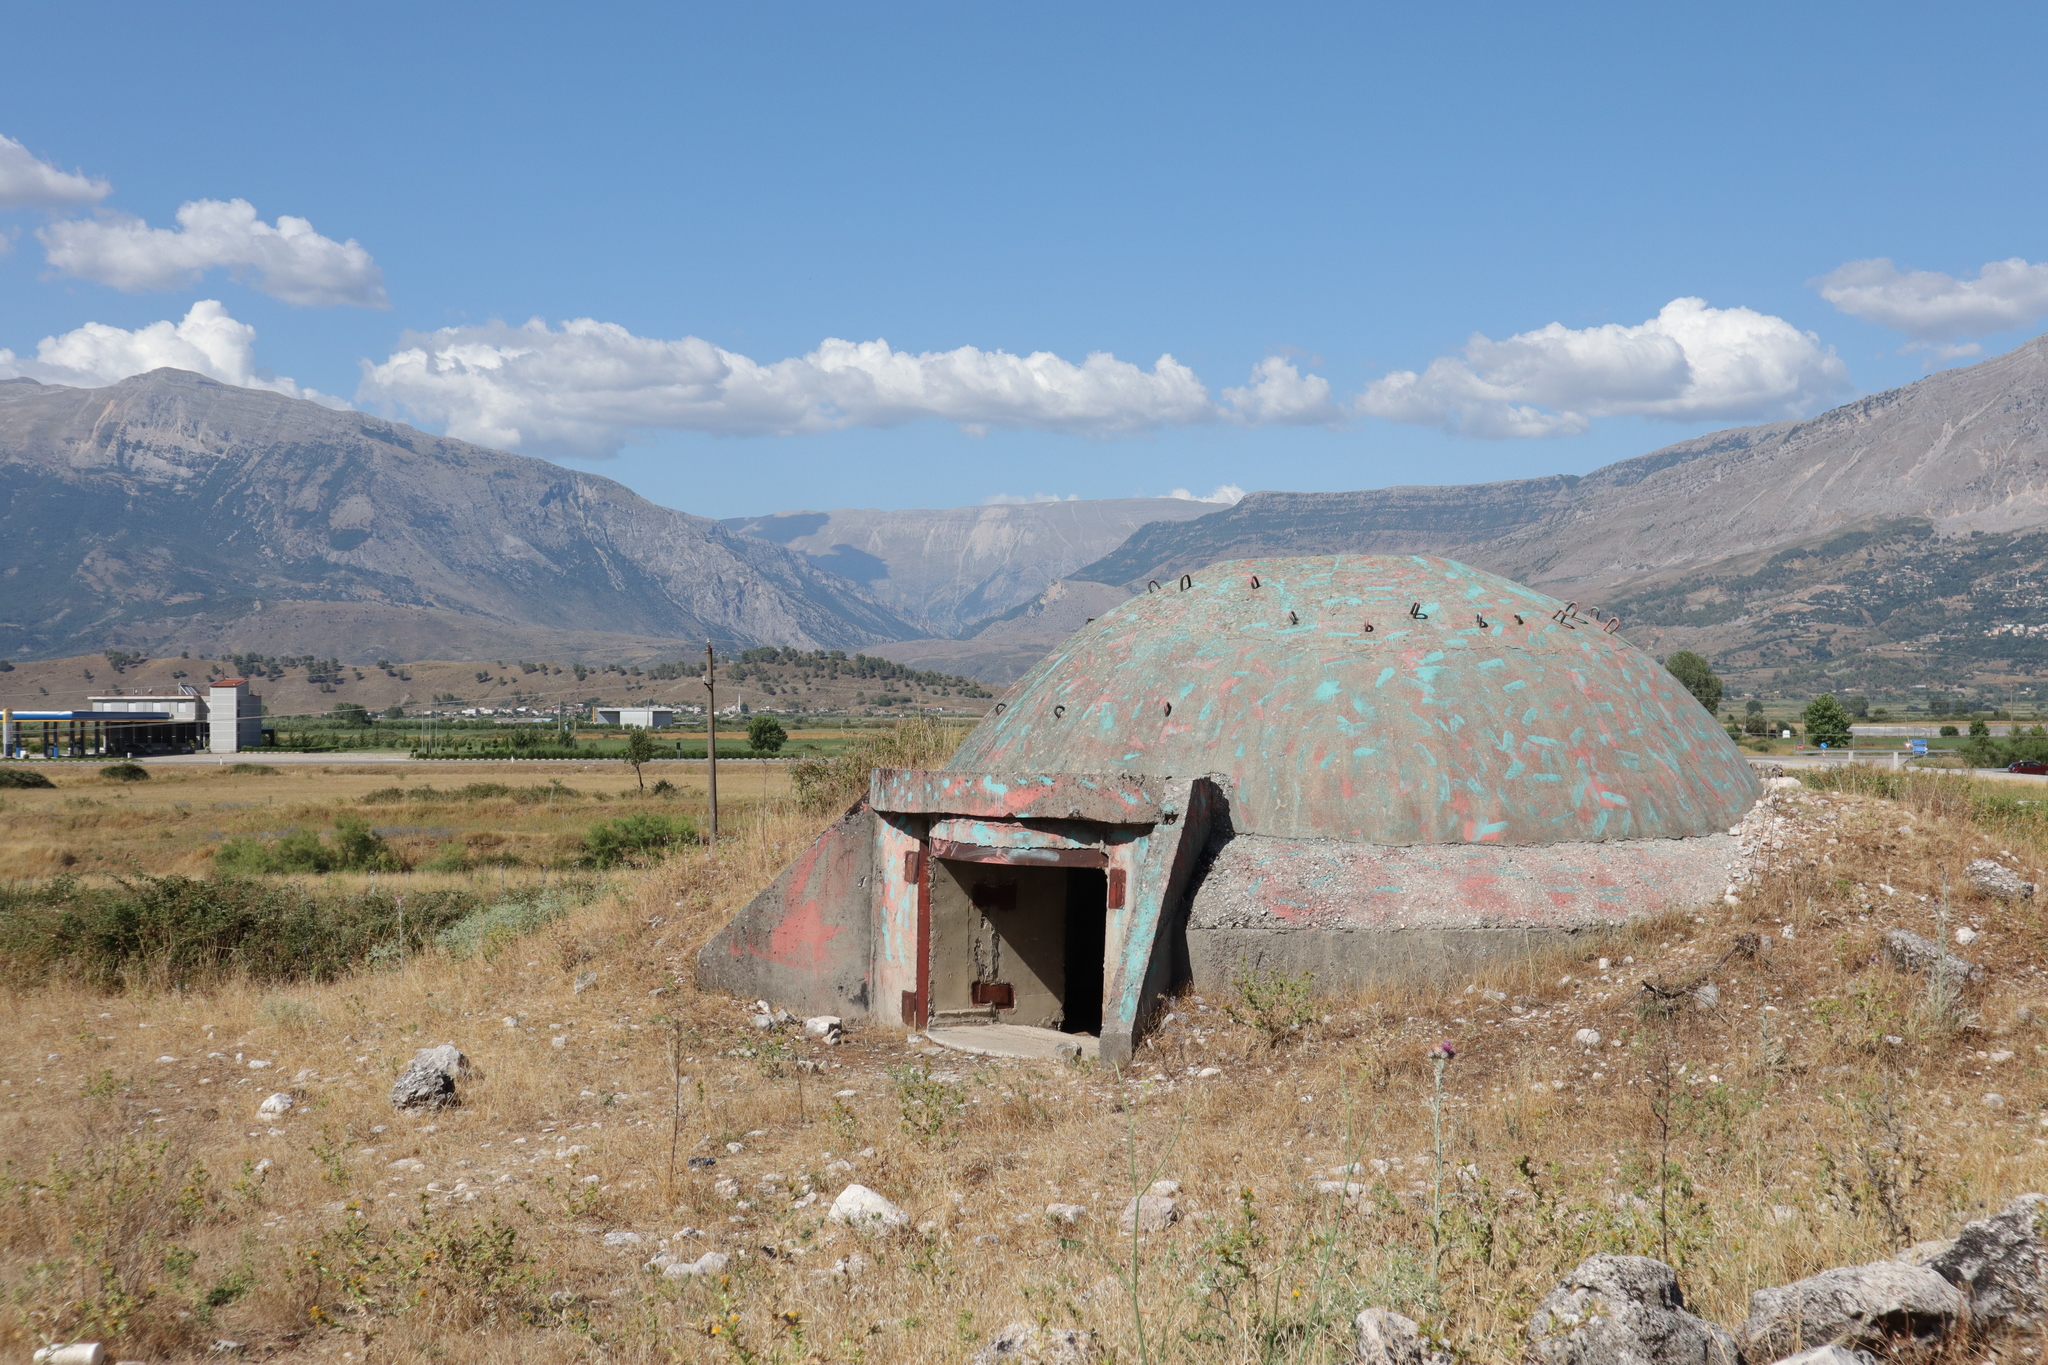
(1692, 670)
(1979, 730)
(1826, 722)
(639, 750)
(350, 713)
(1752, 707)
(394, 713)
(765, 734)
(1857, 705)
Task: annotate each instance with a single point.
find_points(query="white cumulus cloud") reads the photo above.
(1278, 394)
(585, 387)
(1931, 306)
(1226, 493)
(206, 341)
(28, 181)
(1689, 363)
(289, 261)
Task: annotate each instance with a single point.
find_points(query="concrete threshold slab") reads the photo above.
(1015, 1040)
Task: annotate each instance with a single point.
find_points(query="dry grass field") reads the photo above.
(514, 820)
(1816, 1108)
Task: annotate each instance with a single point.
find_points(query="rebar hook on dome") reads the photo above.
(1255, 580)
(1151, 585)
(1292, 619)
(1169, 708)
(1001, 707)
(1058, 711)
(1187, 580)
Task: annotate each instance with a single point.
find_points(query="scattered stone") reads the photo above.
(624, 1239)
(1624, 1308)
(277, 1106)
(1997, 880)
(1827, 1355)
(1387, 1338)
(860, 1207)
(710, 1263)
(702, 1163)
(1027, 1343)
(726, 1188)
(1165, 1189)
(1912, 953)
(1994, 1101)
(763, 1022)
(77, 1353)
(1707, 995)
(559, 1040)
(428, 1081)
(1888, 1307)
(1150, 1213)
(2001, 1264)
(1587, 1038)
(1966, 935)
(585, 981)
(1208, 1072)
(1066, 1213)
(826, 1028)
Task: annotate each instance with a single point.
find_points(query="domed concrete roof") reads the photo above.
(1380, 699)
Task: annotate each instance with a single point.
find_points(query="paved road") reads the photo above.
(286, 759)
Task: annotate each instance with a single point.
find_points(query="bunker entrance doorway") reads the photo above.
(1017, 944)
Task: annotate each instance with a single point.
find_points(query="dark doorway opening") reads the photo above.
(1087, 910)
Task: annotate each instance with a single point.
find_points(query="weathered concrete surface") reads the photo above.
(1015, 1040)
(1159, 864)
(805, 942)
(1111, 797)
(1343, 960)
(1263, 883)
(1451, 721)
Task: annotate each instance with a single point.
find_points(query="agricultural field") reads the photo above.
(1447, 1149)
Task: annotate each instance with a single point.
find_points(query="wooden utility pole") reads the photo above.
(711, 722)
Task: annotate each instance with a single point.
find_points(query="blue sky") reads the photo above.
(1348, 226)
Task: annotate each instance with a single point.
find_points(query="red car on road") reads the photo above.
(2035, 766)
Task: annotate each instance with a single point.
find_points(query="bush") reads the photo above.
(483, 931)
(23, 777)
(635, 838)
(1949, 732)
(251, 770)
(179, 932)
(356, 848)
(125, 772)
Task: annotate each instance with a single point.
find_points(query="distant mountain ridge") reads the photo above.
(171, 511)
(953, 569)
(1797, 553)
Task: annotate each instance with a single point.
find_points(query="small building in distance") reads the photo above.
(637, 717)
(224, 718)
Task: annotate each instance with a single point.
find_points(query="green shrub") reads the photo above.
(180, 932)
(251, 770)
(483, 931)
(23, 777)
(125, 772)
(356, 848)
(635, 839)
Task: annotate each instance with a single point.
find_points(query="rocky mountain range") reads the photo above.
(169, 511)
(1897, 542)
(1893, 542)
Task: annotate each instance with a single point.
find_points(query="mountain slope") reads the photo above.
(170, 510)
(1965, 450)
(1886, 545)
(950, 569)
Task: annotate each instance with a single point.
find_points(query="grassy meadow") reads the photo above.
(1817, 1108)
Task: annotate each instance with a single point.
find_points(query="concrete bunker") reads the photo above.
(1360, 766)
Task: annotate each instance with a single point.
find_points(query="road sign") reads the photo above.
(1919, 746)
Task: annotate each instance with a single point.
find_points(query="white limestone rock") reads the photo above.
(429, 1080)
(860, 1207)
(1889, 1307)
(1624, 1308)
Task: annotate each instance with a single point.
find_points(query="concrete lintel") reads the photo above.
(1109, 798)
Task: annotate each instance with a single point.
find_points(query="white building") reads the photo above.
(228, 716)
(637, 717)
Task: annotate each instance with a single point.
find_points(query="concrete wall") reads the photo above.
(805, 943)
